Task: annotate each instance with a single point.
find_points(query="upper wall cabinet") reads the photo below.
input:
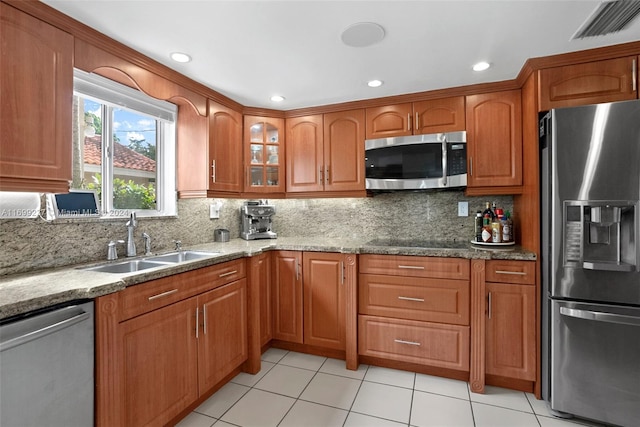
(305, 153)
(344, 151)
(431, 116)
(225, 149)
(36, 83)
(264, 154)
(589, 83)
(494, 141)
(325, 153)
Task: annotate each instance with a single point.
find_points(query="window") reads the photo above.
(124, 147)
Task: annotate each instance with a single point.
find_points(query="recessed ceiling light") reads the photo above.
(374, 83)
(362, 34)
(277, 98)
(180, 57)
(481, 66)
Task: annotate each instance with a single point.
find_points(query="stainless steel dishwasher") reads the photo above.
(47, 367)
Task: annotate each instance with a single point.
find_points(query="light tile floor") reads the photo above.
(296, 390)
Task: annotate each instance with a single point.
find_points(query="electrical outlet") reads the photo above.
(214, 211)
(463, 208)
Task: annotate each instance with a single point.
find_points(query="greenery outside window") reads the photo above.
(124, 147)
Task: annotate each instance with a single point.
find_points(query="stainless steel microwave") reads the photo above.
(416, 162)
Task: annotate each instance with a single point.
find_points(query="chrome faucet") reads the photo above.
(112, 250)
(178, 244)
(131, 244)
(147, 244)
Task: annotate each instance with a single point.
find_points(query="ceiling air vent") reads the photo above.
(609, 17)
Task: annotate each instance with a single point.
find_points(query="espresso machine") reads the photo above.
(256, 218)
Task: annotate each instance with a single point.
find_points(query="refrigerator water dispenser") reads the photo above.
(600, 235)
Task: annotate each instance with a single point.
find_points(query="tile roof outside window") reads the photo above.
(124, 157)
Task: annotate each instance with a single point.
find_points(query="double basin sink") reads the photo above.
(131, 266)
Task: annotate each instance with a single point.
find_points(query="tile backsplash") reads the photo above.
(33, 244)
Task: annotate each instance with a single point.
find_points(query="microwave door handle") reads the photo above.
(444, 163)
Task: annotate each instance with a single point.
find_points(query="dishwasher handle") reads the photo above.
(599, 316)
(77, 315)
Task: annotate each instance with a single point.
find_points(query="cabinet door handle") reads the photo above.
(489, 305)
(417, 124)
(634, 76)
(204, 319)
(411, 267)
(326, 175)
(342, 272)
(197, 321)
(470, 166)
(409, 121)
(407, 342)
(297, 271)
(213, 170)
(514, 273)
(229, 273)
(163, 294)
(411, 299)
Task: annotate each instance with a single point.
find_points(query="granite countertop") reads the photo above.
(31, 291)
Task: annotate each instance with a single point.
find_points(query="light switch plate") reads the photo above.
(463, 208)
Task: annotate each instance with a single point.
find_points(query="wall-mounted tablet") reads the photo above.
(74, 204)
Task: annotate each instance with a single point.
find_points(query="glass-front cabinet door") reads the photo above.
(264, 154)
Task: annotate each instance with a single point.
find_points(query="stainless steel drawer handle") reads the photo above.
(411, 299)
(411, 267)
(514, 273)
(163, 294)
(407, 342)
(228, 273)
(599, 316)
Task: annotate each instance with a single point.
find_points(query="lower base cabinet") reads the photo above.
(433, 344)
(510, 331)
(415, 309)
(309, 297)
(159, 373)
(163, 344)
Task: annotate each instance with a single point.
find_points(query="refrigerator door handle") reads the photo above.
(599, 316)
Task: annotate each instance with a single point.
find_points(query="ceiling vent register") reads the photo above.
(609, 17)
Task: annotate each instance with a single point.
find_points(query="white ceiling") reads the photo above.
(250, 50)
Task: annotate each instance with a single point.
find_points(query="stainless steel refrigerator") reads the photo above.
(590, 177)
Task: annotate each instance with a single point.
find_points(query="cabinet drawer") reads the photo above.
(415, 266)
(520, 272)
(139, 299)
(413, 298)
(432, 344)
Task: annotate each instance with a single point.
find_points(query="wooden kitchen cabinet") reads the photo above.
(417, 118)
(494, 143)
(325, 153)
(324, 299)
(344, 151)
(36, 83)
(588, 83)
(222, 342)
(511, 320)
(305, 151)
(309, 297)
(159, 364)
(225, 149)
(286, 296)
(415, 309)
(263, 266)
(163, 344)
(264, 155)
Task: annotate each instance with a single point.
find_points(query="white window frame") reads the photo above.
(112, 94)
